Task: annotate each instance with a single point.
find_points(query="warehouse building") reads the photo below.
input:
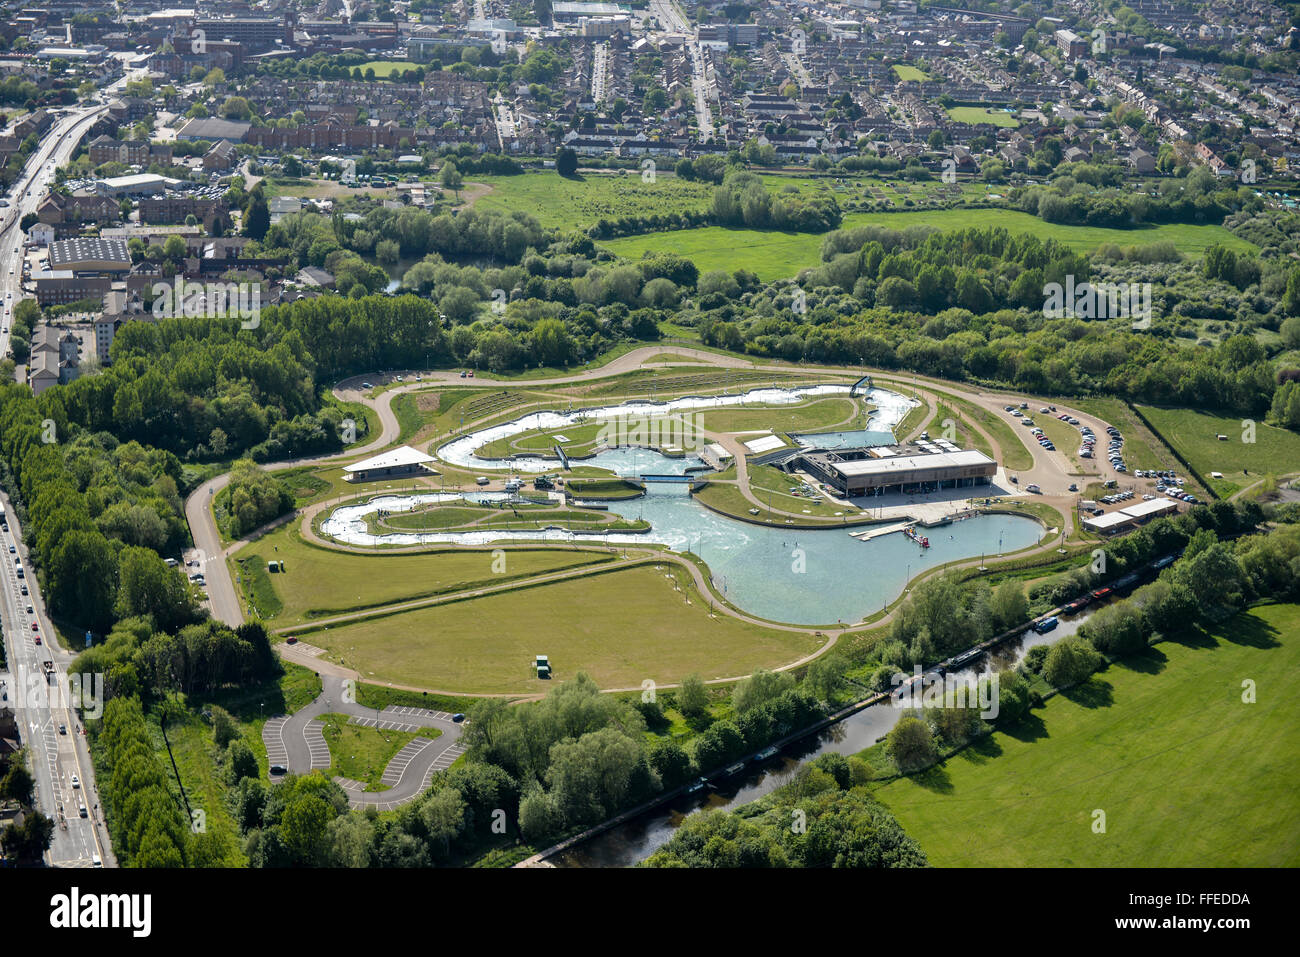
(90, 255)
(909, 469)
(1131, 517)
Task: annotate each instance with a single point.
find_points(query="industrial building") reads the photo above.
(1134, 515)
(90, 255)
(915, 468)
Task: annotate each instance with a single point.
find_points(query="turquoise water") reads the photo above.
(802, 576)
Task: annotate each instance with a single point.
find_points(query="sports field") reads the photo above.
(979, 114)
(620, 627)
(906, 73)
(389, 67)
(775, 255)
(1186, 773)
(1242, 457)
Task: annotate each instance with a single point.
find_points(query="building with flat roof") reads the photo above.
(90, 255)
(564, 12)
(139, 184)
(918, 468)
(1130, 517)
(211, 128)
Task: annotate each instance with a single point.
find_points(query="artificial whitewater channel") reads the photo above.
(802, 576)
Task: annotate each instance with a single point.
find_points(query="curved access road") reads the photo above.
(296, 742)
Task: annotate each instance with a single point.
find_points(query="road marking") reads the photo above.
(320, 751)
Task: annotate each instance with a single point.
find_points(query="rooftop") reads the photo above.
(405, 455)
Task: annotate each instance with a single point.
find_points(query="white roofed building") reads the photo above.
(401, 462)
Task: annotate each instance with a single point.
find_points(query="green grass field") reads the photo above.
(811, 416)
(362, 753)
(317, 581)
(620, 627)
(1186, 773)
(571, 203)
(979, 114)
(906, 73)
(776, 255)
(1241, 460)
(389, 67)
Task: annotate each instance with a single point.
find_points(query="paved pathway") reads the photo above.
(296, 742)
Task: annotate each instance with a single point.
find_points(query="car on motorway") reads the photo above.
(25, 589)
(12, 549)
(35, 626)
(63, 729)
(76, 781)
(37, 639)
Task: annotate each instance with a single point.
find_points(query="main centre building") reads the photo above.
(920, 467)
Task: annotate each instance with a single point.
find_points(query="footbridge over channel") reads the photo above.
(861, 387)
(694, 481)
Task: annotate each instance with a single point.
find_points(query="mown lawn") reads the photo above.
(362, 753)
(317, 582)
(979, 114)
(1187, 774)
(776, 255)
(1242, 458)
(620, 627)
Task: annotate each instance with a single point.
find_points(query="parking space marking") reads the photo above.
(384, 725)
(273, 739)
(315, 738)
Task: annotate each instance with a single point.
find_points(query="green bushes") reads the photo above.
(149, 826)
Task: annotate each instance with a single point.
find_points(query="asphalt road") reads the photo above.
(296, 742)
(56, 759)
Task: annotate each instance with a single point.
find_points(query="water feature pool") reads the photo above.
(802, 576)
(817, 576)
